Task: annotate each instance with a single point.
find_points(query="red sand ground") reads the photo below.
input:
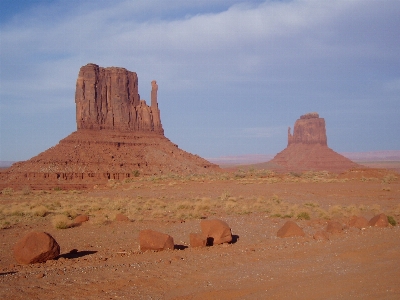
(361, 264)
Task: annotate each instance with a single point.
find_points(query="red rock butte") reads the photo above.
(308, 150)
(118, 136)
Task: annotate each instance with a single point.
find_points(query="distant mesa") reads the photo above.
(308, 150)
(118, 136)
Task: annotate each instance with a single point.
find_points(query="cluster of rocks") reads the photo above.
(38, 247)
(213, 232)
(290, 228)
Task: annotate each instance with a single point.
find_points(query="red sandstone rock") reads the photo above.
(321, 236)
(36, 247)
(153, 240)
(307, 149)
(131, 140)
(121, 217)
(290, 229)
(81, 219)
(309, 129)
(217, 230)
(197, 240)
(334, 227)
(380, 220)
(358, 222)
(107, 98)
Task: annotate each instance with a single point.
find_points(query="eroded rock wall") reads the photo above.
(108, 98)
(309, 129)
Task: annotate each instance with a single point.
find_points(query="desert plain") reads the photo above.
(101, 258)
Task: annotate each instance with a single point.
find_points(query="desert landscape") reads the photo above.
(117, 211)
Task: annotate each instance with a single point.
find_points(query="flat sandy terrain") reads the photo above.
(108, 264)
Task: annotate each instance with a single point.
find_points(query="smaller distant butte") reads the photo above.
(118, 136)
(308, 150)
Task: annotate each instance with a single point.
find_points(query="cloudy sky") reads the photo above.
(232, 74)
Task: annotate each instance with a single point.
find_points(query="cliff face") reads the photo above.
(108, 98)
(308, 150)
(309, 129)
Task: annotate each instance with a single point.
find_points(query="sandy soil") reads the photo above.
(107, 263)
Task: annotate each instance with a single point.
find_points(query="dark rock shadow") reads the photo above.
(76, 254)
(210, 241)
(235, 239)
(180, 247)
(8, 273)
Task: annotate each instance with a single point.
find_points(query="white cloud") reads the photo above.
(216, 55)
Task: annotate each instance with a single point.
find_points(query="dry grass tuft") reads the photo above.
(61, 222)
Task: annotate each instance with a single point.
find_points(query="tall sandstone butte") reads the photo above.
(108, 98)
(308, 150)
(118, 136)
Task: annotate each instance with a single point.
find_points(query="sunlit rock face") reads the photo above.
(108, 98)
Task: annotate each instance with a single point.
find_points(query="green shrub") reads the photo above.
(392, 221)
(303, 216)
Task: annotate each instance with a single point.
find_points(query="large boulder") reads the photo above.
(380, 220)
(358, 222)
(36, 247)
(216, 231)
(154, 240)
(81, 219)
(290, 229)
(197, 240)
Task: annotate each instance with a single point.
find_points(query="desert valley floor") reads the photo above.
(100, 259)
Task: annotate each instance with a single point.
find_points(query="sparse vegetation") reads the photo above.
(391, 221)
(142, 205)
(61, 222)
(303, 216)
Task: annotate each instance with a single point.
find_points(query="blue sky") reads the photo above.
(232, 75)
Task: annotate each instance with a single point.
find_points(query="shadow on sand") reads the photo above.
(76, 254)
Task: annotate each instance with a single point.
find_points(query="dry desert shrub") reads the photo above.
(61, 222)
(392, 220)
(7, 191)
(389, 178)
(40, 211)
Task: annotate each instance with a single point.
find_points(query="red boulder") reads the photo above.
(380, 220)
(358, 222)
(36, 247)
(81, 219)
(290, 229)
(197, 240)
(216, 231)
(154, 240)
